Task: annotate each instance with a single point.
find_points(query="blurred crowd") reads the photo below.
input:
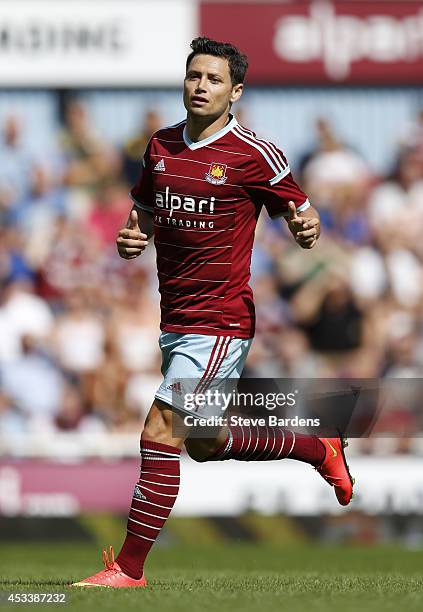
(79, 326)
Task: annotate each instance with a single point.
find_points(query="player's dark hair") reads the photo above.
(238, 62)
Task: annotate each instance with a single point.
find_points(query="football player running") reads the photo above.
(202, 186)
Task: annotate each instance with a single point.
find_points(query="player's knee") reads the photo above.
(200, 450)
(157, 428)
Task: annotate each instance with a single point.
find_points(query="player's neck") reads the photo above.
(199, 128)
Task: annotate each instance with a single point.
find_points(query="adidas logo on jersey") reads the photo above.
(175, 387)
(160, 166)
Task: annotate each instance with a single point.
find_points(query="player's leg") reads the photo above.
(186, 357)
(247, 443)
(154, 496)
(157, 488)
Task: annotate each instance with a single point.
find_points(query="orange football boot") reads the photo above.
(112, 576)
(334, 469)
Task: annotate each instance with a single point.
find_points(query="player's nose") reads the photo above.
(201, 86)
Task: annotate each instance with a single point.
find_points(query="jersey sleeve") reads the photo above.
(142, 192)
(271, 184)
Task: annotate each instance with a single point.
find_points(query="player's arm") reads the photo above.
(304, 225)
(133, 238)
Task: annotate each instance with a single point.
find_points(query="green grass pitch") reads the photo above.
(228, 577)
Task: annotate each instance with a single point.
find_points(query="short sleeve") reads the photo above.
(142, 192)
(270, 182)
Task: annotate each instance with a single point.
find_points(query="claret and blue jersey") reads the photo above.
(206, 197)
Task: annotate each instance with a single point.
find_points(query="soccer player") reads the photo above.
(202, 186)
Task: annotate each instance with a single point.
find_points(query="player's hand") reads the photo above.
(305, 230)
(131, 241)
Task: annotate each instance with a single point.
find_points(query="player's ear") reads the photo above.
(237, 92)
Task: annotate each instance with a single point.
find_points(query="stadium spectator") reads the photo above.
(89, 159)
(16, 161)
(134, 148)
(34, 383)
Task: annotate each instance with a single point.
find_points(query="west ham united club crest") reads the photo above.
(216, 174)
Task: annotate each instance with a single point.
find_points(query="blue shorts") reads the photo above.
(193, 364)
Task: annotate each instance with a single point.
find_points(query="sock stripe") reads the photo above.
(159, 462)
(145, 501)
(155, 492)
(158, 452)
(225, 450)
(145, 524)
(148, 513)
(245, 454)
(265, 444)
(138, 536)
(270, 443)
(161, 484)
(282, 445)
(257, 441)
(161, 459)
(293, 442)
(273, 446)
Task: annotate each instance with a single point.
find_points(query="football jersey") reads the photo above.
(206, 197)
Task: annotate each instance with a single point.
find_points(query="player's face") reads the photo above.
(208, 89)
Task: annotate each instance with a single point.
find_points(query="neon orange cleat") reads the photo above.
(335, 471)
(112, 576)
